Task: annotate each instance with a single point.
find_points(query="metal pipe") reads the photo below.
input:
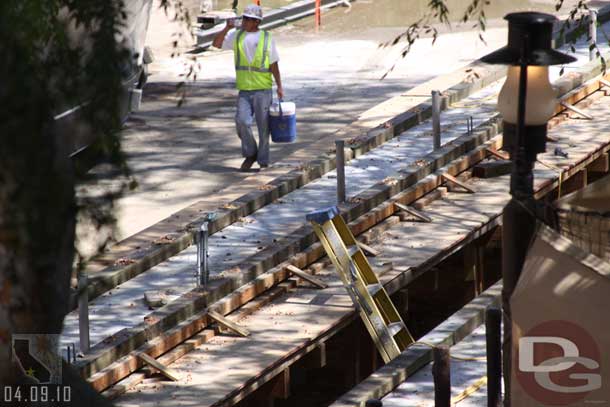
(493, 327)
(203, 272)
(436, 119)
(83, 313)
(441, 371)
(340, 159)
(592, 34)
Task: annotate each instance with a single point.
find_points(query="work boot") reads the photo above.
(247, 164)
(263, 165)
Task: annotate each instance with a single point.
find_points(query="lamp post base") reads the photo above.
(518, 228)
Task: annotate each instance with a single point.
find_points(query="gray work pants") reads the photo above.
(254, 104)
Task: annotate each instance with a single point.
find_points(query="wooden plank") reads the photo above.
(450, 178)
(412, 211)
(574, 183)
(232, 326)
(308, 277)
(368, 249)
(162, 369)
(600, 165)
(281, 385)
(497, 153)
(428, 198)
(492, 169)
(316, 358)
(576, 110)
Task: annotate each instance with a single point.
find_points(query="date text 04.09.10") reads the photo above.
(31, 394)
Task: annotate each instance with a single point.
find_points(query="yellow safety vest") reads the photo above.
(255, 75)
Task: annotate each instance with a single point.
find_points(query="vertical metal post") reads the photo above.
(493, 324)
(592, 33)
(441, 371)
(83, 313)
(318, 16)
(436, 119)
(340, 158)
(203, 273)
(518, 223)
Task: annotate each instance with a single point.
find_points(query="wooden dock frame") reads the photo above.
(383, 212)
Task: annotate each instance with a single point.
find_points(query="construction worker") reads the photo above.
(256, 61)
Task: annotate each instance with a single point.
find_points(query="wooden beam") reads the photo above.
(307, 277)
(497, 154)
(414, 212)
(451, 179)
(368, 249)
(316, 359)
(230, 325)
(601, 164)
(430, 197)
(574, 183)
(473, 265)
(492, 169)
(159, 366)
(281, 385)
(576, 110)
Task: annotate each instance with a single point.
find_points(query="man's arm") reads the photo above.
(220, 37)
(275, 70)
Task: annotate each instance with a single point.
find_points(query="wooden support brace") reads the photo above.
(473, 265)
(497, 154)
(412, 211)
(157, 365)
(228, 324)
(604, 83)
(281, 385)
(492, 169)
(307, 277)
(316, 359)
(576, 110)
(369, 249)
(601, 164)
(574, 183)
(455, 181)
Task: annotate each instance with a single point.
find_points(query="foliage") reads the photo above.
(577, 24)
(56, 55)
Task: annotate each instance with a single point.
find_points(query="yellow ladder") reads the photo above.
(376, 309)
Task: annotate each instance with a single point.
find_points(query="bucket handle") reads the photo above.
(280, 105)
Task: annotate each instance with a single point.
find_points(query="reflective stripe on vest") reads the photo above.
(255, 75)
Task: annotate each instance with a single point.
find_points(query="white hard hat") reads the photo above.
(253, 11)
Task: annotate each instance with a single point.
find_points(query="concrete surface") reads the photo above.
(123, 307)
(180, 154)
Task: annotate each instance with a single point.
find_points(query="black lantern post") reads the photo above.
(526, 102)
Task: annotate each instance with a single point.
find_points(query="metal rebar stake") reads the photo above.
(592, 34)
(83, 313)
(340, 158)
(436, 119)
(203, 272)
